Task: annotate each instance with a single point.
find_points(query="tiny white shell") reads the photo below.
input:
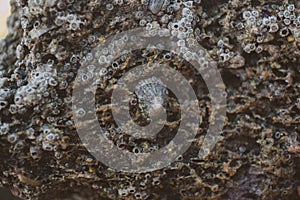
(156, 5)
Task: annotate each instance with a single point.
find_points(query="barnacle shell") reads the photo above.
(156, 5)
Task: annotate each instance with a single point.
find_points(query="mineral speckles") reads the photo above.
(256, 46)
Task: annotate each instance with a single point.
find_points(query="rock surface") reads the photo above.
(256, 46)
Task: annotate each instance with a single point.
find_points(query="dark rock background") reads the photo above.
(258, 157)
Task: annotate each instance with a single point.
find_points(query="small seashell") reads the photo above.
(156, 5)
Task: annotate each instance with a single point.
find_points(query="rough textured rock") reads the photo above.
(256, 46)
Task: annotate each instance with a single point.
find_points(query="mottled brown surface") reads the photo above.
(258, 157)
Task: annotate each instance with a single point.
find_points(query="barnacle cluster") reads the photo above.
(255, 44)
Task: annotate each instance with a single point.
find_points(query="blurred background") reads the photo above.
(4, 13)
(5, 193)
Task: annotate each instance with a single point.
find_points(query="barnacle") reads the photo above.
(156, 5)
(151, 94)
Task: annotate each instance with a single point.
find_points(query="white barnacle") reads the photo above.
(274, 28)
(152, 93)
(50, 137)
(187, 12)
(80, 112)
(156, 5)
(35, 152)
(12, 138)
(246, 14)
(47, 146)
(4, 128)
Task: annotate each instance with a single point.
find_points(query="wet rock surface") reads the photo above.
(256, 46)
